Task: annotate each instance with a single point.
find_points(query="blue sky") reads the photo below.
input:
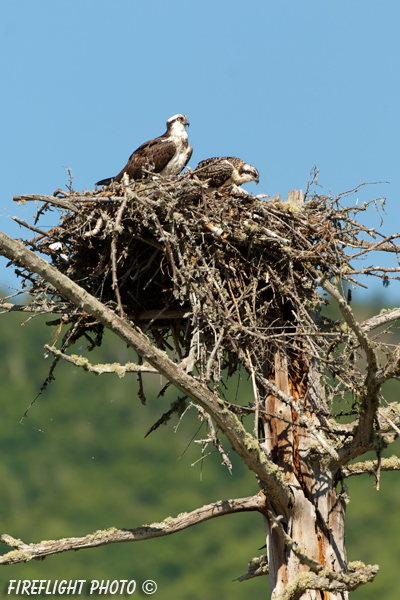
(284, 85)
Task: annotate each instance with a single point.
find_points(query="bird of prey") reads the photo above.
(167, 155)
(225, 171)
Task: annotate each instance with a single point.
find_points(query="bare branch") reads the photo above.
(48, 199)
(378, 245)
(257, 567)
(373, 246)
(155, 315)
(382, 413)
(35, 229)
(391, 369)
(324, 582)
(390, 428)
(369, 467)
(350, 319)
(25, 552)
(6, 307)
(383, 318)
(82, 362)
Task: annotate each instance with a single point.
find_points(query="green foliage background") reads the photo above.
(79, 462)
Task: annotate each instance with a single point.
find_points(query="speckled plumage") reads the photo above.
(225, 170)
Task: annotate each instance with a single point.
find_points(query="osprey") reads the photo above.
(167, 154)
(224, 171)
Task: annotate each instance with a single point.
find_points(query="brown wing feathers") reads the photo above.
(160, 156)
(139, 159)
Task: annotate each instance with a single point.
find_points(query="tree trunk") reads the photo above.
(316, 517)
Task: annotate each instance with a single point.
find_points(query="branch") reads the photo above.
(369, 467)
(155, 315)
(35, 229)
(373, 246)
(244, 443)
(381, 245)
(81, 361)
(349, 318)
(391, 369)
(323, 582)
(48, 199)
(390, 428)
(25, 552)
(384, 317)
(383, 413)
(257, 567)
(6, 307)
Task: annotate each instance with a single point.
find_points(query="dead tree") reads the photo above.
(223, 282)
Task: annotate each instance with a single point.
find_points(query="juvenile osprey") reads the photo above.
(167, 154)
(226, 170)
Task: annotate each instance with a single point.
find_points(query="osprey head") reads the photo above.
(177, 124)
(180, 118)
(248, 173)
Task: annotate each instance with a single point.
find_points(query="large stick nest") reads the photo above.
(221, 277)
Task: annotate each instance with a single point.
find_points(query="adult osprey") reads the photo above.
(224, 171)
(167, 154)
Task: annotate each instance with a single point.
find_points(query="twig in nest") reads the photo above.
(114, 256)
(47, 199)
